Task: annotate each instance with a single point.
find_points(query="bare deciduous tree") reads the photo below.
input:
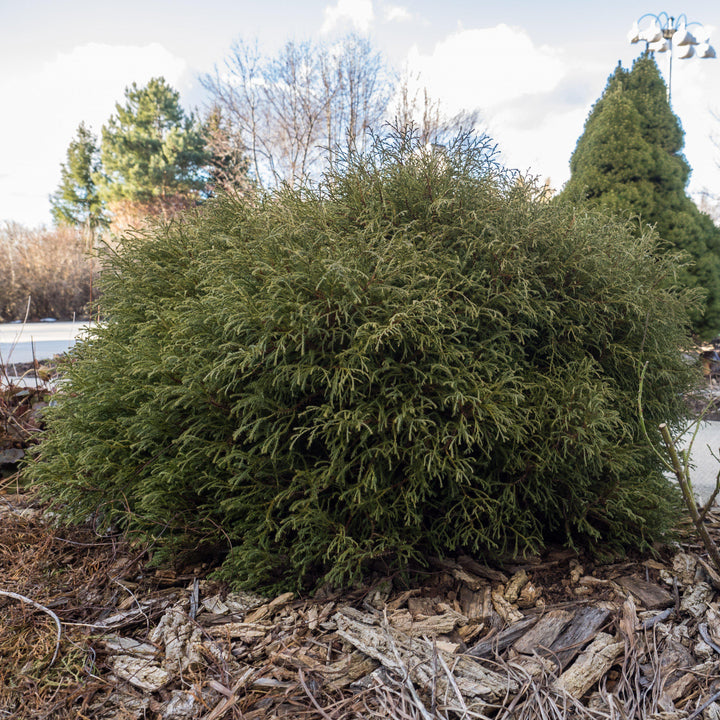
(229, 163)
(413, 106)
(289, 113)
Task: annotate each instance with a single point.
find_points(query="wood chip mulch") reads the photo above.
(89, 631)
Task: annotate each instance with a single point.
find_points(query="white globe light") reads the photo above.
(685, 51)
(705, 50)
(652, 33)
(633, 35)
(659, 46)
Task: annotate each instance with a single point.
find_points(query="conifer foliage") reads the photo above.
(154, 155)
(77, 201)
(417, 357)
(629, 160)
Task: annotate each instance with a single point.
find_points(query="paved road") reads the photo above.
(48, 338)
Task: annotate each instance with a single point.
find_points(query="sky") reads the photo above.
(532, 70)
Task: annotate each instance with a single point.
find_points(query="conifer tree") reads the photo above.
(629, 160)
(154, 155)
(77, 200)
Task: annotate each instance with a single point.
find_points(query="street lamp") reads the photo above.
(660, 32)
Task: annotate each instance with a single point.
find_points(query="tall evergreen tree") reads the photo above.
(629, 160)
(154, 154)
(77, 200)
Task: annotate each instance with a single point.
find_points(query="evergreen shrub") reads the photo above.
(418, 356)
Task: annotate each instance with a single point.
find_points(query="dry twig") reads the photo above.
(30, 601)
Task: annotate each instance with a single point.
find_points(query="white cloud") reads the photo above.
(485, 68)
(395, 13)
(357, 13)
(51, 102)
(543, 150)
(517, 87)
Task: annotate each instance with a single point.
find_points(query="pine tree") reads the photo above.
(629, 160)
(77, 200)
(154, 155)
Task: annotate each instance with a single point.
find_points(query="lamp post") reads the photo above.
(661, 31)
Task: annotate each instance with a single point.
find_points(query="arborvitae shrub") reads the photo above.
(418, 357)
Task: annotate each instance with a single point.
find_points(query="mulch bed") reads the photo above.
(559, 637)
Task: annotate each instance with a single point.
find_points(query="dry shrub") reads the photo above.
(51, 267)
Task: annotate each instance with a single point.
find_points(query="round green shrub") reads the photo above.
(419, 356)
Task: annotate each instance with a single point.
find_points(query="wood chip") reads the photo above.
(544, 633)
(140, 672)
(471, 603)
(695, 600)
(650, 595)
(243, 631)
(530, 596)
(684, 566)
(416, 658)
(129, 646)
(346, 671)
(470, 631)
(517, 582)
(264, 611)
(403, 598)
(482, 571)
(509, 613)
(591, 665)
(140, 612)
(422, 606)
(433, 625)
(712, 573)
(712, 618)
(467, 578)
(503, 640)
(580, 631)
